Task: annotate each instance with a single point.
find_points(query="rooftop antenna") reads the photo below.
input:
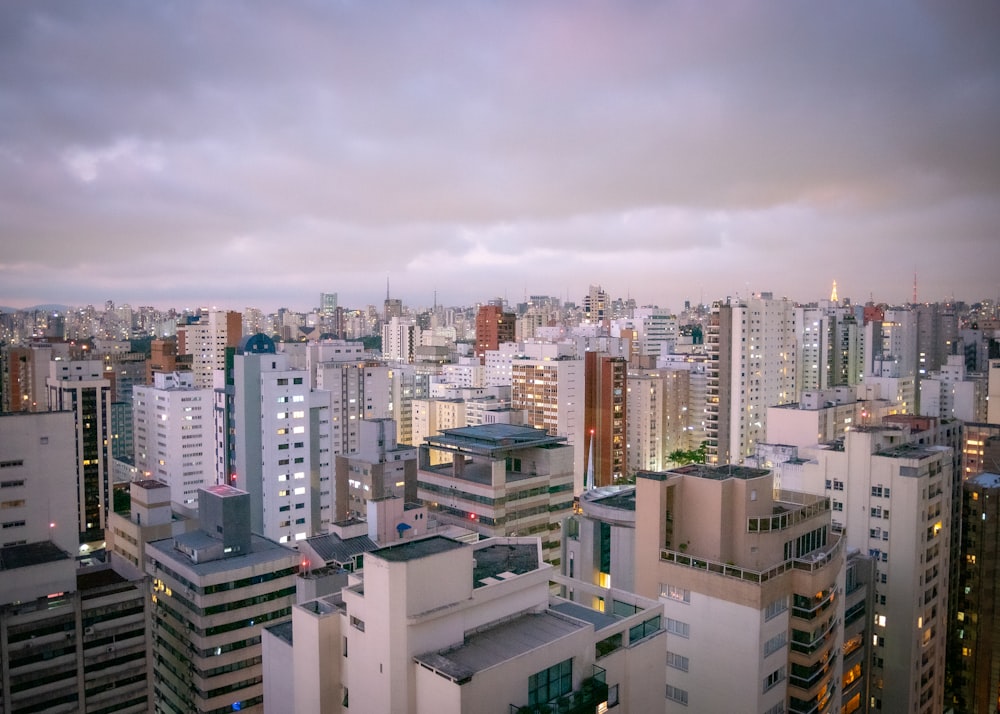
(914, 287)
(386, 287)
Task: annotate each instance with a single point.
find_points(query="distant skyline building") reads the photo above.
(752, 348)
(493, 328)
(205, 338)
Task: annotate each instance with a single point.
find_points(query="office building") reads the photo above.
(214, 590)
(501, 480)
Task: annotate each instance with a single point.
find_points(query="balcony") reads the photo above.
(810, 562)
(585, 700)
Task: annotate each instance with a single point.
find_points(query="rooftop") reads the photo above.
(416, 549)
(720, 473)
(20, 556)
(224, 491)
(612, 497)
(262, 552)
(491, 646)
(985, 480)
(150, 483)
(499, 561)
(282, 630)
(492, 439)
(333, 549)
(910, 451)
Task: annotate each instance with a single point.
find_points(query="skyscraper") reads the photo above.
(604, 426)
(206, 338)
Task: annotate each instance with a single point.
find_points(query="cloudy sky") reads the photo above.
(234, 154)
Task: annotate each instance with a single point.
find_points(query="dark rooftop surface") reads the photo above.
(596, 618)
(332, 549)
(985, 480)
(87, 580)
(282, 630)
(150, 483)
(21, 556)
(721, 473)
(613, 497)
(492, 439)
(414, 549)
(909, 451)
(503, 559)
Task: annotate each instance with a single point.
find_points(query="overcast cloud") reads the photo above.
(235, 154)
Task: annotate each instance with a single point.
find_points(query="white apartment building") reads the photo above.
(174, 434)
(993, 392)
(400, 338)
(436, 625)
(380, 468)
(282, 442)
(752, 349)
(952, 393)
(659, 417)
(831, 346)
(892, 500)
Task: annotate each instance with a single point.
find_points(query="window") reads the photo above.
(775, 643)
(612, 696)
(675, 593)
(838, 485)
(677, 661)
(357, 623)
(677, 694)
(550, 683)
(676, 627)
(773, 678)
(775, 608)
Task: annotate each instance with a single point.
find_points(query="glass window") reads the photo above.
(550, 683)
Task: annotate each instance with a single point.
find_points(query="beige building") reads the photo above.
(753, 585)
(150, 517)
(435, 625)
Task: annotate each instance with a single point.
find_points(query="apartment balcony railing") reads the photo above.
(593, 691)
(810, 562)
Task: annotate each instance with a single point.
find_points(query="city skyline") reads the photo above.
(182, 156)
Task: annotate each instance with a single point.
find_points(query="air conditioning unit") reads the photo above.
(111, 648)
(88, 630)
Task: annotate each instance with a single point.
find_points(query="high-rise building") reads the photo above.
(77, 386)
(830, 346)
(281, 438)
(596, 307)
(605, 417)
(975, 634)
(752, 358)
(493, 327)
(214, 590)
(659, 417)
(735, 561)
(551, 391)
(174, 434)
(357, 390)
(501, 480)
(205, 337)
(892, 499)
(71, 640)
(328, 304)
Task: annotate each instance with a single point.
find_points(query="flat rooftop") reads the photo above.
(985, 480)
(282, 630)
(612, 497)
(416, 549)
(493, 645)
(21, 556)
(720, 473)
(496, 562)
(150, 483)
(262, 552)
(492, 439)
(910, 451)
